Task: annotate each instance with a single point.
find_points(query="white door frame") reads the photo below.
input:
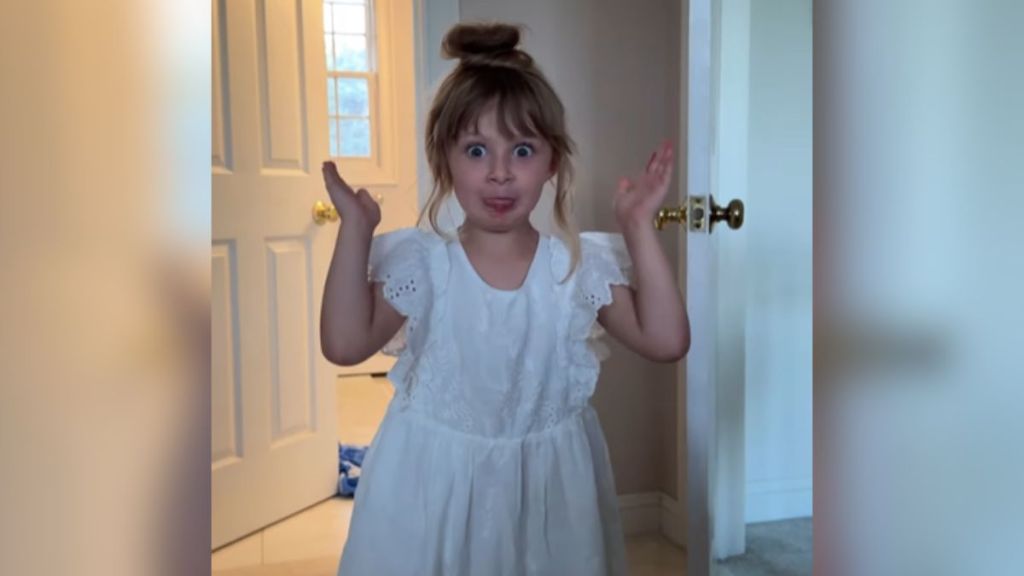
(730, 135)
(715, 279)
(700, 291)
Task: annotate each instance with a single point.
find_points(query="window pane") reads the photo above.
(332, 108)
(354, 97)
(349, 53)
(349, 19)
(334, 137)
(355, 138)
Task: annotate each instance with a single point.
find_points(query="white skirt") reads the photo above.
(435, 501)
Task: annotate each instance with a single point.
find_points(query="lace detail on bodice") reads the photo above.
(494, 363)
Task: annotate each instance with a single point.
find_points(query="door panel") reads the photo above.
(274, 434)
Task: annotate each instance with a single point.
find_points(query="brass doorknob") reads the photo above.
(323, 213)
(677, 214)
(695, 215)
(732, 214)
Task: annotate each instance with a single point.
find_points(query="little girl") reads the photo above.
(490, 460)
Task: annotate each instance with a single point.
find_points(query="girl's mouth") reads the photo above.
(499, 205)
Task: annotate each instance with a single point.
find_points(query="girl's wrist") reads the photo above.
(356, 230)
(635, 224)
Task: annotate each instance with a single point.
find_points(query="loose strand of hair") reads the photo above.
(563, 216)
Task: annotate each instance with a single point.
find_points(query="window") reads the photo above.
(352, 104)
(370, 88)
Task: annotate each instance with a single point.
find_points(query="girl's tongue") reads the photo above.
(500, 204)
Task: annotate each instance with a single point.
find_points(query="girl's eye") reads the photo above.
(523, 151)
(476, 151)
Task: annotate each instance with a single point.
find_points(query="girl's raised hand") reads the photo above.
(637, 200)
(357, 209)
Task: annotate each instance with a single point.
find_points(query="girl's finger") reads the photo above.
(667, 174)
(331, 176)
(624, 186)
(652, 170)
(661, 157)
(665, 165)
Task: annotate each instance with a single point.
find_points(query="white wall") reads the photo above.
(778, 330)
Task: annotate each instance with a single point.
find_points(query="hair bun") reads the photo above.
(485, 44)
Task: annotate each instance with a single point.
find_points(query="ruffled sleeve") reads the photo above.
(401, 261)
(604, 262)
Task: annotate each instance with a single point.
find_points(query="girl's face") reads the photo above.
(498, 180)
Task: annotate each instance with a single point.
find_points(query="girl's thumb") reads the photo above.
(365, 198)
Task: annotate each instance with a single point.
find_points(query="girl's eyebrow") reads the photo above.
(477, 136)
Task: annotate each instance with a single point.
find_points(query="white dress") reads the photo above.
(490, 460)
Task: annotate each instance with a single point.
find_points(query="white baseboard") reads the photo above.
(657, 513)
(673, 520)
(641, 513)
(653, 513)
(779, 499)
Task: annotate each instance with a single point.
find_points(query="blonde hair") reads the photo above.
(493, 69)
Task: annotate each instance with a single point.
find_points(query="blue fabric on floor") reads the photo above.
(349, 457)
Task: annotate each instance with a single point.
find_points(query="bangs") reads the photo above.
(519, 108)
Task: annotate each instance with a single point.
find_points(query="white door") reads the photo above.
(274, 438)
(708, 518)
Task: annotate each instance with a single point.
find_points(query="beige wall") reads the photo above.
(618, 68)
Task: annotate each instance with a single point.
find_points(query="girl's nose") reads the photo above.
(500, 173)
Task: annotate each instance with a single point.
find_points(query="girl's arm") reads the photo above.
(651, 320)
(355, 319)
